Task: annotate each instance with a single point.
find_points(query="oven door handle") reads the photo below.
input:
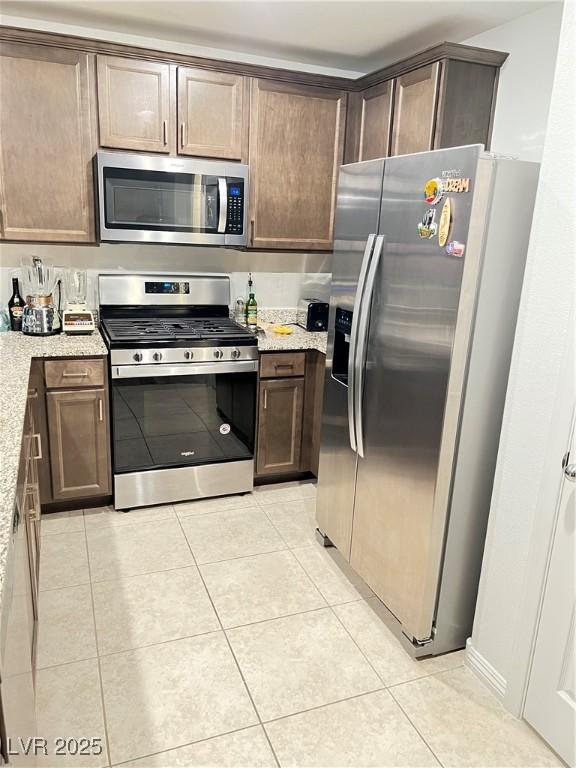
(223, 204)
(188, 369)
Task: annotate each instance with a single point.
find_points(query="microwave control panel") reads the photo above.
(235, 210)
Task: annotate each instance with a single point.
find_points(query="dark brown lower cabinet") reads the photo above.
(280, 413)
(79, 454)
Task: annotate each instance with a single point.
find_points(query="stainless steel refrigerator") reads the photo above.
(428, 263)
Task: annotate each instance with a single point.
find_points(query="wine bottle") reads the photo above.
(16, 307)
(251, 306)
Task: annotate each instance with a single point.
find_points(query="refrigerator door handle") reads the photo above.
(360, 359)
(354, 338)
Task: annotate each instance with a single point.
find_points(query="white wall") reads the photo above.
(526, 78)
(525, 465)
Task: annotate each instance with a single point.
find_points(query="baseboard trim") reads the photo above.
(485, 671)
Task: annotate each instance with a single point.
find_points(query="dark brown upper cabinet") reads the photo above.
(47, 140)
(212, 114)
(135, 105)
(374, 106)
(415, 99)
(296, 148)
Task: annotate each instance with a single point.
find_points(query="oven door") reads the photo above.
(190, 415)
(167, 200)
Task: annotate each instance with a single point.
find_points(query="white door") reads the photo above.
(551, 699)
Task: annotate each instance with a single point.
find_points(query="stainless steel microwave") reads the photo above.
(151, 199)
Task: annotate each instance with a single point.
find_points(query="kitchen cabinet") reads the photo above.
(136, 107)
(47, 140)
(415, 110)
(280, 411)
(296, 148)
(374, 107)
(212, 114)
(77, 405)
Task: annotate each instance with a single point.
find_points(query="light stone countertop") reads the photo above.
(16, 354)
(299, 339)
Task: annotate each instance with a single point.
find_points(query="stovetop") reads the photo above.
(175, 331)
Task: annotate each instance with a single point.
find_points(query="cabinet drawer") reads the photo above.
(283, 364)
(63, 374)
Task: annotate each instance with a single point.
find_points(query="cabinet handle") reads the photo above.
(265, 399)
(284, 365)
(165, 131)
(32, 394)
(182, 130)
(100, 410)
(75, 375)
(38, 439)
(251, 231)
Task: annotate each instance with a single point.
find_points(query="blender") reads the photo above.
(41, 316)
(76, 318)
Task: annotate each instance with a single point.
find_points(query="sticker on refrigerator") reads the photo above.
(433, 191)
(456, 185)
(427, 228)
(454, 248)
(445, 223)
(224, 429)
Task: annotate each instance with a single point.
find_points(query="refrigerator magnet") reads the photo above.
(445, 223)
(454, 248)
(433, 191)
(427, 228)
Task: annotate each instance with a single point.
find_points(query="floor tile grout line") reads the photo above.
(187, 744)
(407, 716)
(323, 706)
(248, 692)
(102, 701)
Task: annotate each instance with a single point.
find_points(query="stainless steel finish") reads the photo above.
(187, 369)
(100, 410)
(38, 439)
(137, 489)
(265, 399)
(360, 350)
(74, 375)
(141, 161)
(223, 197)
(165, 131)
(180, 355)
(354, 340)
(129, 290)
(413, 320)
(570, 472)
(218, 354)
(357, 215)
(41, 320)
(157, 356)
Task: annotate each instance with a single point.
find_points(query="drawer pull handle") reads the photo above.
(165, 131)
(284, 365)
(32, 394)
(75, 375)
(182, 138)
(100, 410)
(265, 399)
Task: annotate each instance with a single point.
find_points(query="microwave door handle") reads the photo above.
(222, 204)
(353, 339)
(361, 344)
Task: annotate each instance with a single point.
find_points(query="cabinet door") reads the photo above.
(296, 148)
(415, 100)
(280, 426)
(375, 121)
(78, 427)
(212, 114)
(134, 107)
(47, 141)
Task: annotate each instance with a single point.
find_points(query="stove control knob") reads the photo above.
(188, 355)
(157, 356)
(235, 353)
(218, 354)
(137, 356)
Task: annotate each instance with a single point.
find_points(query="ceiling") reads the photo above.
(355, 37)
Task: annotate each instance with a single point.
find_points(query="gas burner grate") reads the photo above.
(166, 329)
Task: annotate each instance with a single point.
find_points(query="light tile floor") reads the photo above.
(220, 633)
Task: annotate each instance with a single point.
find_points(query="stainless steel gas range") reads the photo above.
(183, 378)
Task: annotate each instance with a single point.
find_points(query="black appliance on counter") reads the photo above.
(183, 382)
(312, 314)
